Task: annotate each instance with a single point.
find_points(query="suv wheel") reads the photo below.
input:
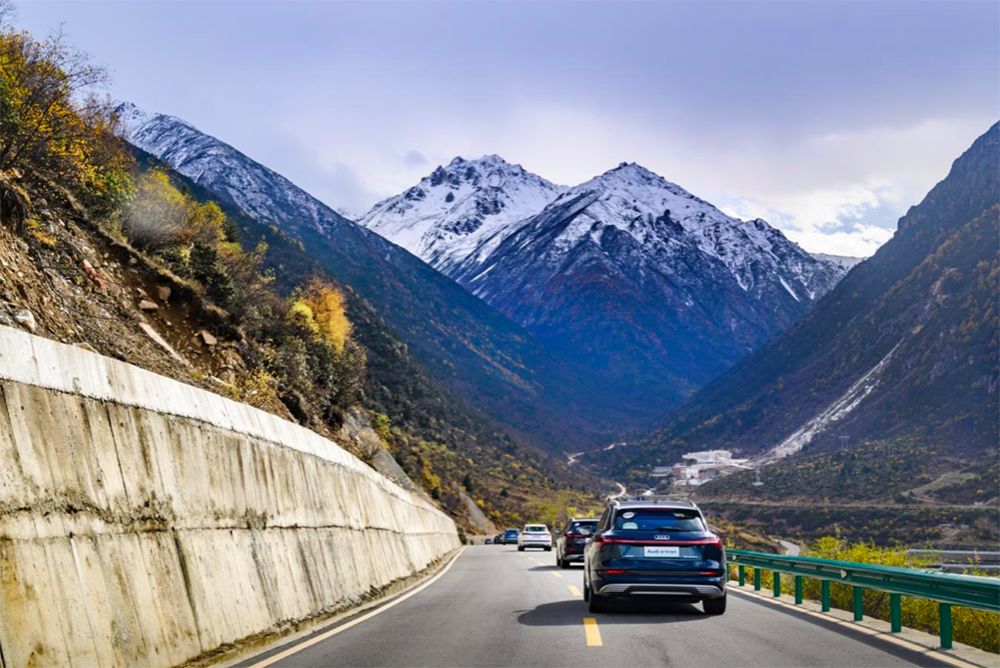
(715, 606)
(597, 603)
(520, 548)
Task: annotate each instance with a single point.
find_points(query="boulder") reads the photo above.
(147, 305)
(26, 319)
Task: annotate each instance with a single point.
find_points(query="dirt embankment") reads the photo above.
(65, 278)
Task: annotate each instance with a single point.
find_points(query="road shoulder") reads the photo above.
(925, 644)
(263, 651)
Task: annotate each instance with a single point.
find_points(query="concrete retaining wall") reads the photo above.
(144, 522)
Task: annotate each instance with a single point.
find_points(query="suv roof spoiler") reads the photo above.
(655, 500)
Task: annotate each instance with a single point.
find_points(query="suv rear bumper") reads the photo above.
(700, 591)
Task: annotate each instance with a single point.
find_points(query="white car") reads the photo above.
(534, 535)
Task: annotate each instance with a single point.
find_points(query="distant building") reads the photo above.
(709, 456)
(697, 468)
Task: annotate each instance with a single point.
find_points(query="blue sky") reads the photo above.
(827, 119)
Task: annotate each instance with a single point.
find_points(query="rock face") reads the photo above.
(152, 519)
(905, 345)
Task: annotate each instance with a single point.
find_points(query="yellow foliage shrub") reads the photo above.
(329, 312)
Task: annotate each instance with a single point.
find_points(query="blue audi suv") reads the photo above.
(654, 548)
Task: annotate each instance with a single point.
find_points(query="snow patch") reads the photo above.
(833, 413)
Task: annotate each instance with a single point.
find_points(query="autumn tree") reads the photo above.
(324, 308)
(53, 124)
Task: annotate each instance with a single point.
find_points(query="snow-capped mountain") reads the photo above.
(658, 287)
(660, 216)
(466, 206)
(638, 291)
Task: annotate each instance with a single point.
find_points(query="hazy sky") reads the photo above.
(827, 119)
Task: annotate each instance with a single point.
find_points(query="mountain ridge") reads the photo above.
(918, 317)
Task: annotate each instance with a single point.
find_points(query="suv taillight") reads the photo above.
(612, 540)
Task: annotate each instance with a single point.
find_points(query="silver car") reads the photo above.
(534, 535)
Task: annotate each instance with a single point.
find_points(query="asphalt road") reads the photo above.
(500, 607)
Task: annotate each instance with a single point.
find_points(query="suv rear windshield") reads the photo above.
(584, 526)
(658, 519)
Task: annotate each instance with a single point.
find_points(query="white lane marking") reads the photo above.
(354, 622)
(896, 640)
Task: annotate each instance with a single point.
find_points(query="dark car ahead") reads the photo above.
(647, 548)
(572, 539)
(510, 536)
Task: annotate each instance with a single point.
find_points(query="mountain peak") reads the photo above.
(451, 211)
(491, 163)
(133, 118)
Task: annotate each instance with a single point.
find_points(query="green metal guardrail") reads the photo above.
(966, 591)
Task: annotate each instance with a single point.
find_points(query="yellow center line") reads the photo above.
(573, 590)
(592, 633)
(558, 575)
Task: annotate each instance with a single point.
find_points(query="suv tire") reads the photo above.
(715, 606)
(520, 548)
(597, 603)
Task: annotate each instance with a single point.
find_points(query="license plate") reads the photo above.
(661, 551)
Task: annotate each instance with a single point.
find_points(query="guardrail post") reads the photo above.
(859, 603)
(776, 584)
(824, 587)
(944, 617)
(896, 612)
(798, 590)
(741, 572)
(756, 579)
